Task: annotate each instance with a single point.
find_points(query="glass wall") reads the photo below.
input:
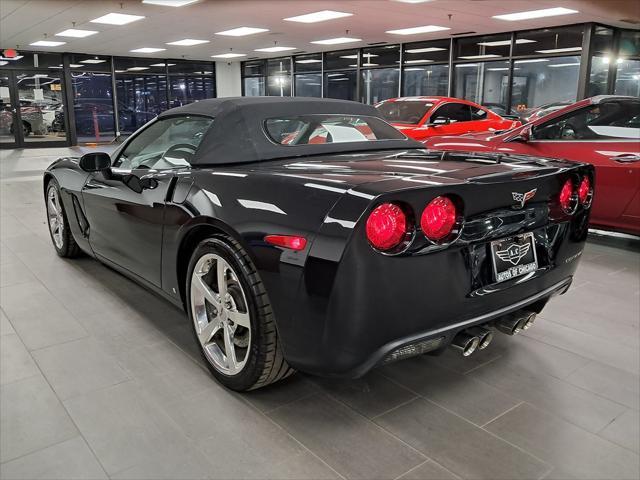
(628, 64)
(254, 78)
(308, 75)
(601, 54)
(420, 74)
(93, 106)
(380, 73)
(341, 74)
(279, 77)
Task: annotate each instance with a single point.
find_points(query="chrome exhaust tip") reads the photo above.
(511, 324)
(465, 343)
(528, 320)
(484, 334)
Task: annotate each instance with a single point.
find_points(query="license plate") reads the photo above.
(513, 257)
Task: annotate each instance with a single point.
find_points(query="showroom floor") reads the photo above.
(100, 378)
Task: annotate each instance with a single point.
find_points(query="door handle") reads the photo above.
(626, 158)
(91, 185)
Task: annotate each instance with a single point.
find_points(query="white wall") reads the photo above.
(228, 81)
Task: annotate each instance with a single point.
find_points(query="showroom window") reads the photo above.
(549, 41)
(190, 82)
(93, 106)
(488, 47)
(380, 74)
(308, 75)
(340, 74)
(602, 55)
(420, 75)
(279, 77)
(254, 78)
(486, 83)
(628, 64)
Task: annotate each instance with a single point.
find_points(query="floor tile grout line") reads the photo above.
(502, 414)
(402, 404)
(482, 365)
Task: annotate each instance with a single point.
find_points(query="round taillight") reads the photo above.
(566, 196)
(584, 190)
(438, 218)
(387, 226)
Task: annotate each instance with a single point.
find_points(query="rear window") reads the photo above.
(405, 111)
(325, 129)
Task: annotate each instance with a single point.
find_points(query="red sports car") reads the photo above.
(423, 117)
(602, 130)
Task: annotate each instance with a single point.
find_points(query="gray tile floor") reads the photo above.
(101, 379)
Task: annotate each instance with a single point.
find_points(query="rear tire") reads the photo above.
(58, 224)
(237, 317)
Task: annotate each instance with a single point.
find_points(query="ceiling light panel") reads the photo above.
(504, 43)
(188, 42)
(321, 16)
(47, 43)
(242, 31)
(275, 49)
(481, 57)
(564, 65)
(162, 65)
(531, 14)
(93, 61)
(336, 41)
(416, 30)
(424, 50)
(117, 19)
(229, 55)
(76, 33)
(561, 50)
(532, 60)
(137, 69)
(169, 3)
(308, 60)
(147, 50)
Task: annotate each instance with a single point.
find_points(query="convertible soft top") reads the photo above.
(237, 134)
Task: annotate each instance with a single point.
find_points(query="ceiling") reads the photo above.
(23, 22)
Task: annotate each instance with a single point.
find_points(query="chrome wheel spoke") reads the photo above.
(222, 268)
(56, 220)
(206, 334)
(239, 318)
(229, 350)
(198, 283)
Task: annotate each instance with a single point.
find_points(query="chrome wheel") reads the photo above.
(220, 314)
(55, 216)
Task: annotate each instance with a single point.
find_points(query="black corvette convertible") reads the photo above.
(309, 234)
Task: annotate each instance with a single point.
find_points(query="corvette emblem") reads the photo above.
(523, 197)
(513, 253)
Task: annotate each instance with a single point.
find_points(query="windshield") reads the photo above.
(404, 111)
(323, 129)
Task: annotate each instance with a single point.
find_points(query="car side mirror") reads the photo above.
(95, 162)
(138, 184)
(440, 121)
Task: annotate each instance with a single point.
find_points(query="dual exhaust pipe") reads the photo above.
(479, 338)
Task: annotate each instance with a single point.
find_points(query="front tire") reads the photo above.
(232, 318)
(58, 224)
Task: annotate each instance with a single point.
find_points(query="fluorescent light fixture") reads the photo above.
(11, 59)
(370, 64)
(531, 14)
(533, 60)
(229, 55)
(561, 50)
(117, 19)
(499, 69)
(564, 65)
(350, 57)
(424, 50)
(336, 41)
(162, 65)
(481, 57)
(369, 55)
(466, 65)
(320, 16)
(3, 63)
(93, 60)
(75, 65)
(147, 50)
(242, 31)
(417, 61)
(120, 71)
(188, 42)
(47, 43)
(137, 69)
(309, 60)
(169, 3)
(416, 30)
(500, 43)
(274, 49)
(335, 75)
(76, 33)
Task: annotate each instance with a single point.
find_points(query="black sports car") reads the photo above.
(309, 234)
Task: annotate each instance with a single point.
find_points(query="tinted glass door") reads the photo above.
(8, 112)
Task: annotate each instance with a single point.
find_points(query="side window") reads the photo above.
(455, 112)
(478, 114)
(167, 143)
(609, 120)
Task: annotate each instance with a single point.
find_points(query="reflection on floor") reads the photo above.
(100, 378)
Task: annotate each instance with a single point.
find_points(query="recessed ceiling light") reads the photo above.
(93, 60)
(561, 50)
(466, 65)
(418, 61)
(336, 41)
(369, 64)
(499, 69)
(481, 57)
(242, 31)
(120, 71)
(76, 33)
(170, 3)
(531, 14)
(229, 55)
(309, 60)
(533, 60)
(424, 50)
(500, 43)
(564, 65)
(416, 30)
(188, 42)
(137, 69)
(320, 16)
(117, 19)
(349, 56)
(75, 65)
(163, 65)
(274, 49)
(47, 43)
(147, 50)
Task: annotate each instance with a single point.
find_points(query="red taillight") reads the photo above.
(292, 242)
(566, 195)
(386, 226)
(584, 190)
(438, 218)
